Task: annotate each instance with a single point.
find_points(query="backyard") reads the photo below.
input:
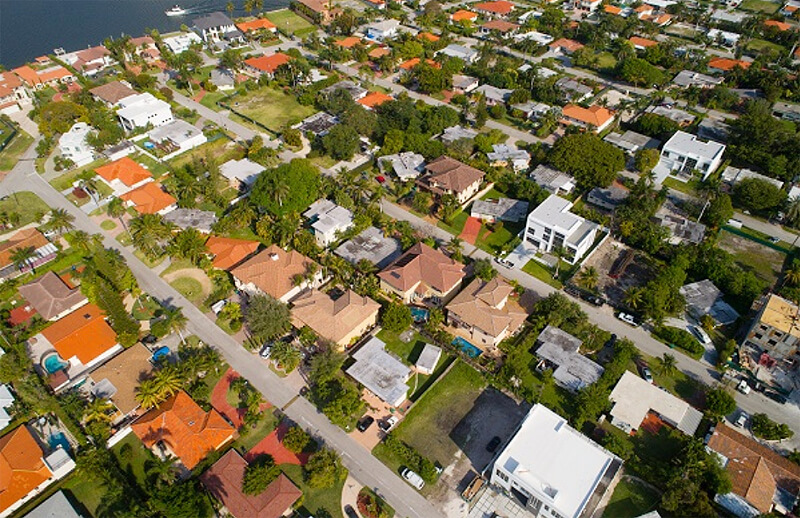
(290, 23)
(630, 499)
(66, 180)
(408, 351)
(274, 109)
(220, 149)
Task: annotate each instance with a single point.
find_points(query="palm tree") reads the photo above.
(149, 232)
(633, 297)
(708, 323)
(588, 277)
(791, 275)
(667, 365)
(286, 355)
(147, 394)
(60, 220)
(559, 253)
(24, 256)
(168, 382)
(188, 244)
(177, 321)
(89, 185)
(162, 471)
(280, 191)
(116, 209)
(99, 410)
(793, 211)
(81, 239)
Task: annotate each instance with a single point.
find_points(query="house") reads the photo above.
(43, 252)
(428, 359)
(549, 463)
(786, 111)
(338, 317)
(631, 142)
(406, 165)
(272, 272)
(181, 42)
(775, 329)
(586, 6)
(684, 153)
(6, 402)
(227, 252)
(223, 79)
(141, 110)
(727, 39)
(370, 246)
(348, 42)
(640, 43)
(423, 274)
(572, 90)
(82, 338)
(500, 209)
(486, 312)
(636, 401)
(179, 428)
(355, 91)
(552, 180)
(413, 62)
(503, 155)
(379, 52)
(608, 198)
(732, 175)
(177, 137)
(241, 173)
(559, 351)
(13, 94)
(200, 220)
(497, 8)
(533, 110)
(266, 65)
(256, 26)
(112, 93)
(123, 175)
(150, 198)
(27, 469)
(704, 298)
(493, 95)
(596, 118)
(321, 12)
(613, 9)
(39, 78)
(535, 36)
(89, 61)
(762, 480)
(726, 64)
(447, 175)
(73, 144)
(318, 124)
(215, 27)
(118, 380)
(328, 221)
(682, 117)
(551, 225)
(687, 78)
(383, 30)
(51, 297)
(500, 26)
(56, 506)
(373, 99)
(145, 47)
(728, 17)
(461, 52)
(464, 84)
(565, 46)
(454, 133)
(790, 8)
(380, 372)
(224, 480)
(463, 15)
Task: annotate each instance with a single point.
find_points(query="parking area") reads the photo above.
(378, 410)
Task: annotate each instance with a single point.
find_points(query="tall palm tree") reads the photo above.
(147, 394)
(667, 365)
(168, 382)
(177, 321)
(24, 256)
(149, 231)
(280, 191)
(633, 297)
(81, 239)
(559, 253)
(99, 410)
(61, 220)
(791, 275)
(188, 244)
(89, 184)
(589, 277)
(161, 472)
(116, 209)
(793, 211)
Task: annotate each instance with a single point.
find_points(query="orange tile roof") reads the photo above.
(500, 25)
(33, 77)
(428, 36)
(661, 19)
(84, 333)
(273, 270)
(379, 52)
(149, 198)
(594, 115)
(644, 8)
(566, 43)
(126, 170)
(349, 42)
(22, 468)
(229, 252)
(642, 42)
(790, 8)
(726, 64)
(187, 430)
(22, 239)
(374, 99)
(268, 64)
(782, 26)
(612, 9)
(463, 15)
(497, 7)
(411, 63)
(256, 25)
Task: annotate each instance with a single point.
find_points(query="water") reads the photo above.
(59, 439)
(30, 28)
(53, 364)
(466, 347)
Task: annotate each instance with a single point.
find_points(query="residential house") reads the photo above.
(223, 79)
(328, 221)
(56, 506)
(565, 46)
(535, 36)
(502, 27)
(374, 99)
(383, 30)
(73, 144)
(380, 372)
(454, 133)
(552, 180)
(265, 65)
(338, 317)
(112, 93)
(637, 401)
(495, 9)
(379, 52)
(684, 153)
(118, 380)
(142, 110)
(499, 209)
(179, 428)
(559, 351)
(409, 65)
(704, 298)
(503, 155)
(51, 297)
(241, 174)
(256, 26)
(493, 95)
(321, 12)
(406, 165)
(463, 15)
(641, 44)
(150, 198)
(89, 61)
(631, 142)
(548, 464)
(682, 117)
(43, 252)
(145, 47)
(728, 17)
(572, 90)
(727, 64)
(464, 84)
(224, 481)
(486, 312)
(38, 78)
(349, 42)
(608, 198)
(13, 94)
(790, 8)
(227, 252)
(775, 329)
(355, 91)
(586, 6)
(180, 43)
(762, 481)
(595, 118)
(534, 110)
(786, 111)
(732, 175)
(461, 52)
(273, 271)
(552, 226)
(177, 137)
(370, 246)
(428, 359)
(713, 129)
(215, 27)
(318, 124)
(123, 175)
(447, 175)
(687, 78)
(200, 220)
(423, 274)
(727, 39)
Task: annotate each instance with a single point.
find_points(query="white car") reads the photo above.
(741, 421)
(743, 387)
(266, 351)
(701, 335)
(628, 319)
(412, 478)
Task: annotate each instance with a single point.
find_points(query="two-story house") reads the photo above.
(552, 226)
(447, 175)
(685, 153)
(423, 275)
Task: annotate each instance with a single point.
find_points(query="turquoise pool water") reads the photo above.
(419, 314)
(59, 439)
(468, 349)
(52, 364)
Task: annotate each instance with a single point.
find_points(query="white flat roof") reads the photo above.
(135, 105)
(555, 459)
(686, 143)
(380, 372)
(554, 212)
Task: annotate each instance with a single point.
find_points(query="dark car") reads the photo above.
(593, 299)
(364, 423)
(350, 512)
(493, 444)
(775, 396)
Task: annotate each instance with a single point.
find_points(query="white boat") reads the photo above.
(175, 11)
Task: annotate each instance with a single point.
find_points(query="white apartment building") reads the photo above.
(551, 225)
(73, 144)
(683, 153)
(137, 111)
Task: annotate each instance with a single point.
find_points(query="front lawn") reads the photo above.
(757, 46)
(290, 23)
(316, 501)
(457, 224)
(189, 288)
(133, 458)
(220, 149)
(273, 108)
(210, 99)
(630, 499)
(65, 181)
(28, 205)
(541, 272)
(495, 241)
(760, 6)
(157, 168)
(250, 436)
(12, 152)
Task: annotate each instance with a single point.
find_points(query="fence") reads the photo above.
(6, 141)
(755, 239)
(245, 117)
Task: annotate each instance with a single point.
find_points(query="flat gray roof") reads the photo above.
(573, 370)
(370, 245)
(380, 372)
(201, 220)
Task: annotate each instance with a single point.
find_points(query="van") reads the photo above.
(413, 479)
(701, 335)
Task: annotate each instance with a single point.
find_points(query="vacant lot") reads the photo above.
(603, 259)
(765, 47)
(10, 155)
(290, 23)
(26, 204)
(760, 6)
(272, 108)
(765, 262)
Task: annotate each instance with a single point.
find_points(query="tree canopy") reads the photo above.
(591, 161)
(287, 188)
(266, 317)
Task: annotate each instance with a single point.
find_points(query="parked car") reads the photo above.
(741, 421)
(701, 335)
(388, 423)
(493, 444)
(647, 375)
(504, 262)
(593, 299)
(266, 351)
(743, 387)
(627, 318)
(364, 423)
(350, 512)
(775, 396)
(774, 239)
(412, 478)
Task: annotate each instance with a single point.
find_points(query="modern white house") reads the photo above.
(137, 111)
(461, 52)
(551, 226)
(684, 153)
(552, 469)
(73, 144)
(181, 42)
(328, 221)
(216, 26)
(241, 172)
(383, 30)
(503, 155)
(177, 137)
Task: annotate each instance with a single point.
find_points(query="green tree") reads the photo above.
(286, 355)
(719, 211)
(666, 365)
(296, 439)
(341, 142)
(588, 278)
(396, 317)
(188, 244)
(302, 186)
(259, 474)
(292, 137)
(593, 162)
(23, 256)
(758, 195)
(421, 201)
(639, 72)
(484, 270)
(646, 159)
(324, 469)
(766, 428)
(719, 403)
(60, 221)
(266, 317)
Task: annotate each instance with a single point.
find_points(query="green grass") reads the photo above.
(150, 263)
(762, 260)
(290, 23)
(760, 6)
(315, 499)
(219, 149)
(630, 499)
(157, 168)
(684, 187)
(11, 154)
(273, 108)
(189, 288)
(457, 224)
(108, 225)
(493, 242)
(764, 47)
(86, 491)
(28, 205)
(249, 437)
(176, 265)
(324, 161)
(66, 180)
(538, 270)
(408, 352)
(605, 61)
(210, 99)
(135, 462)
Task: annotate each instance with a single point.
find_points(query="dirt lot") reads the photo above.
(603, 259)
(765, 262)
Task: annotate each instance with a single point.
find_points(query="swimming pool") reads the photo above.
(419, 314)
(467, 348)
(53, 364)
(59, 439)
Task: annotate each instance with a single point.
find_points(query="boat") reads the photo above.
(175, 11)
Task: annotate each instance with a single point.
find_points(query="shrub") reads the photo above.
(259, 474)
(766, 428)
(679, 338)
(296, 439)
(424, 467)
(396, 318)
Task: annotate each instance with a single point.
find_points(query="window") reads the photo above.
(502, 476)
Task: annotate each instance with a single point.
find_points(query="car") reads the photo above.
(776, 397)
(593, 299)
(350, 512)
(647, 375)
(493, 444)
(388, 423)
(412, 478)
(265, 351)
(743, 387)
(701, 335)
(742, 419)
(774, 239)
(364, 423)
(627, 318)
(504, 262)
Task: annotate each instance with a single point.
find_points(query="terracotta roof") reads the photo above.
(379, 52)
(256, 25)
(594, 115)
(496, 7)
(462, 15)
(21, 314)
(452, 175)
(112, 92)
(10, 80)
(50, 295)
(349, 42)
(570, 45)
(755, 470)
(224, 481)
(315, 5)
(272, 270)
(333, 319)
(149, 198)
(374, 99)
(229, 252)
(487, 306)
(500, 25)
(661, 19)
(268, 64)
(93, 53)
(727, 64)
(642, 42)
(411, 63)
(423, 264)
(126, 170)
(644, 8)
(84, 333)
(142, 41)
(30, 237)
(428, 36)
(33, 77)
(22, 468)
(612, 9)
(189, 431)
(126, 371)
